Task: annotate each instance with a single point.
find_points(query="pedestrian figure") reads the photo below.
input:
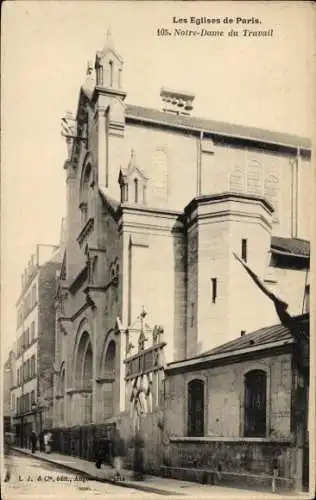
(33, 441)
(47, 442)
(103, 453)
(118, 452)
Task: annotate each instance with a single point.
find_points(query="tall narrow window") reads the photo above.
(111, 73)
(136, 190)
(124, 193)
(307, 299)
(192, 314)
(255, 404)
(196, 408)
(32, 331)
(214, 289)
(100, 75)
(244, 249)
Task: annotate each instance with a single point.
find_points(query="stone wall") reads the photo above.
(152, 436)
(224, 398)
(240, 456)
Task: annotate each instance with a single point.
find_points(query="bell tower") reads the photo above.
(110, 115)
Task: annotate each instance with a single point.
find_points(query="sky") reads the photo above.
(264, 82)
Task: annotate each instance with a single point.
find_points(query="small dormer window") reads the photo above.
(133, 183)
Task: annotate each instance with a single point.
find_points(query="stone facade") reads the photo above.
(226, 451)
(224, 392)
(157, 205)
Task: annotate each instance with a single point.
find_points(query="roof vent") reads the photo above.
(242, 333)
(177, 102)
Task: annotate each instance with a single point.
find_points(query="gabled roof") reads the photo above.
(109, 49)
(291, 246)
(215, 127)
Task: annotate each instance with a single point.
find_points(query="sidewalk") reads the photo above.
(151, 484)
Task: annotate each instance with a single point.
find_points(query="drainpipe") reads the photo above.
(295, 192)
(106, 133)
(199, 165)
(298, 190)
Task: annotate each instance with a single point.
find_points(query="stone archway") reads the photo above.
(108, 380)
(83, 375)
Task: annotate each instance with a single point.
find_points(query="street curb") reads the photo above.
(87, 475)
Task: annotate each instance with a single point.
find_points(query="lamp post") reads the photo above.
(34, 408)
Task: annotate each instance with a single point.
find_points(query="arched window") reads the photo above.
(110, 357)
(84, 193)
(111, 73)
(124, 192)
(271, 192)
(237, 181)
(255, 404)
(196, 408)
(254, 178)
(100, 75)
(136, 190)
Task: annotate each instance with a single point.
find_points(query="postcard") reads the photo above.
(157, 221)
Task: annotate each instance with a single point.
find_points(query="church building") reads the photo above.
(159, 203)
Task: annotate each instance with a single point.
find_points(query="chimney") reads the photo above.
(242, 333)
(177, 102)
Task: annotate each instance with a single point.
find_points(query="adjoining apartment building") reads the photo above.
(7, 377)
(31, 392)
